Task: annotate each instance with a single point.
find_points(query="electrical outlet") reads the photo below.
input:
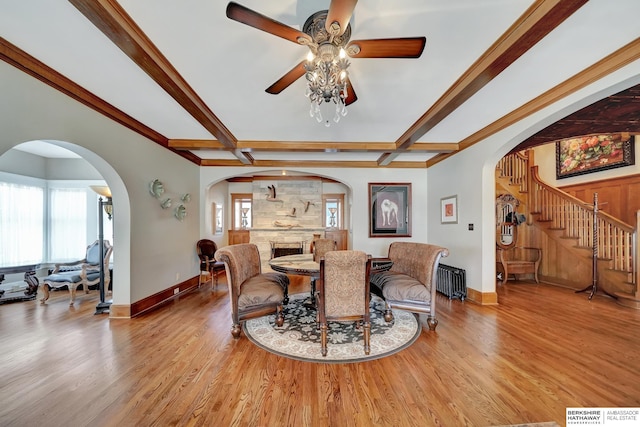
(177, 276)
(176, 291)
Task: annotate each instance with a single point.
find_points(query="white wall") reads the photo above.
(152, 250)
(21, 163)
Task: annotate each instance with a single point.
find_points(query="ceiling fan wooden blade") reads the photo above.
(340, 11)
(408, 47)
(286, 80)
(253, 19)
(351, 94)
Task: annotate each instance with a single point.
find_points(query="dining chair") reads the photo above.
(206, 250)
(319, 249)
(251, 292)
(343, 293)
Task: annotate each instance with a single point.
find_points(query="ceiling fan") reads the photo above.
(326, 33)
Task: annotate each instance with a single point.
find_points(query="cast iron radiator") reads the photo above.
(451, 281)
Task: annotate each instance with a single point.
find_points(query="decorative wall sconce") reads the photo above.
(180, 212)
(156, 188)
(332, 222)
(245, 211)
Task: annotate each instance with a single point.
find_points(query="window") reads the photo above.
(333, 208)
(67, 227)
(46, 221)
(241, 205)
(21, 224)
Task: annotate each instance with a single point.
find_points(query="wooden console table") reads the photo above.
(29, 277)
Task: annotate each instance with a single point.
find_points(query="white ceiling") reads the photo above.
(229, 65)
(46, 149)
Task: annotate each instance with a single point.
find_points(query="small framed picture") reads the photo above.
(449, 210)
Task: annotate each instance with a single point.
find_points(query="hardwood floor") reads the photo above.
(541, 350)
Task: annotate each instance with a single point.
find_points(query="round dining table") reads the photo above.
(304, 265)
(298, 264)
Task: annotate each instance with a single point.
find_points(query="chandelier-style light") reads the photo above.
(327, 82)
(326, 69)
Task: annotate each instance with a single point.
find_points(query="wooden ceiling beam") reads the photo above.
(538, 21)
(618, 59)
(309, 146)
(110, 18)
(312, 164)
(23, 61)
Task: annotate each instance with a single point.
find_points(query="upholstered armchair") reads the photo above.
(251, 292)
(206, 250)
(343, 292)
(85, 272)
(410, 284)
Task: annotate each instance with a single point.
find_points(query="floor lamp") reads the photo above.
(104, 205)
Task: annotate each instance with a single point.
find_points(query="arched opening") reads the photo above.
(57, 164)
(308, 203)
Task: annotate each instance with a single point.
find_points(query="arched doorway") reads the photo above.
(76, 163)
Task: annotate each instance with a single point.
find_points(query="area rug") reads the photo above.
(299, 337)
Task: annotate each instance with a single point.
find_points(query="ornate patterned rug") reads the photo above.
(299, 337)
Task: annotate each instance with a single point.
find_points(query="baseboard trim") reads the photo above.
(154, 301)
(482, 298)
(120, 311)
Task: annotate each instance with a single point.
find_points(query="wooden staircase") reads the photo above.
(569, 222)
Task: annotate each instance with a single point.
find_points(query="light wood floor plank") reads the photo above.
(541, 350)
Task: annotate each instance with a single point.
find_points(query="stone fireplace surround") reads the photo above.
(284, 220)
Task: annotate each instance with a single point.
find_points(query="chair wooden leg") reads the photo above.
(388, 314)
(367, 337)
(280, 316)
(323, 339)
(45, 291)
(432, 322)
(235, 330)
(72, 291)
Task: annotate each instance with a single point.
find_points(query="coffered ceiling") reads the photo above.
(189, 78)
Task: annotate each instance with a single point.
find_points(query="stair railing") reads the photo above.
(616, 239)
(515, 166)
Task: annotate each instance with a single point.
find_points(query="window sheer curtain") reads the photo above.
(21, 224)
(68, 219)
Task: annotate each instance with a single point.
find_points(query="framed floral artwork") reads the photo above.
(593, 153)
(449, 210)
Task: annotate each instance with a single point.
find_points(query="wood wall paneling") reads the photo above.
(619, 197)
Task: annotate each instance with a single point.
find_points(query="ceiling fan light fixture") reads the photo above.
(326, 69)
(327, 33)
